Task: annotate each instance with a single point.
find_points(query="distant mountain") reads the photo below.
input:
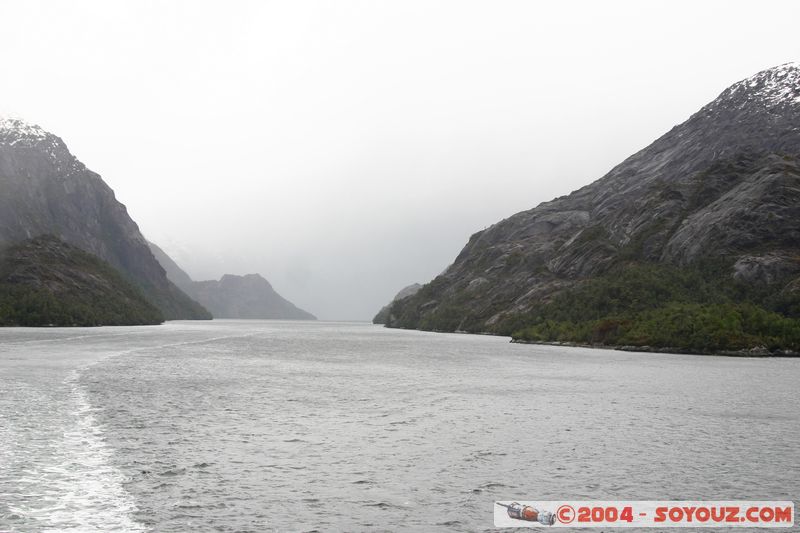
(383, 315)
(46, 190)
(703, 223)
(44, 281)
(249, 296)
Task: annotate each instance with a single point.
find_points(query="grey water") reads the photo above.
(300, 426)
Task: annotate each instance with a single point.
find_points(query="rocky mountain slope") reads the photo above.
(44, 281)
(383, 315)
(46, 190)
(722, 189)
(249, 296)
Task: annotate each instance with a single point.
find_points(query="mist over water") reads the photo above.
(259, 426)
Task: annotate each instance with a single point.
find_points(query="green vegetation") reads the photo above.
(698, 309)
(454, 315)
(45, 282)
(691, 327)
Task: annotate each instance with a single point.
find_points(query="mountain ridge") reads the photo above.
(723, 184)
(232, 296)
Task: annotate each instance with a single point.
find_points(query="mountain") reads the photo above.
(249, 296)
(383, 315)
(46, 190)
(44, 281)
(174, 273)
(707, 215)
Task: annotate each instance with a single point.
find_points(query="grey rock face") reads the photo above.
(772, 267)
(724, 183)
(46, 190)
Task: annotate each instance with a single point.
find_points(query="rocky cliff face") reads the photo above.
(46, 190)
(249, 296)
(724, 184)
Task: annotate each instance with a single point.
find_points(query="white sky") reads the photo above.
(346, 149)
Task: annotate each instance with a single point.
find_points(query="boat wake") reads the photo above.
(84, 490)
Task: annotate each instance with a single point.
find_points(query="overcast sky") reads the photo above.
(346, 149)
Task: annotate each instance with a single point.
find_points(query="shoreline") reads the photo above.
(758, 352)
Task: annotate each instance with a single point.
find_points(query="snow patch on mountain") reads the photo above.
(775, 86)
(14, 130)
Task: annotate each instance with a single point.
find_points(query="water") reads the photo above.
(259, 426)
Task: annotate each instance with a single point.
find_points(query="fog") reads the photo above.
(346, 149)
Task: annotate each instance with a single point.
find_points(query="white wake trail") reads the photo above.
(89, 490)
